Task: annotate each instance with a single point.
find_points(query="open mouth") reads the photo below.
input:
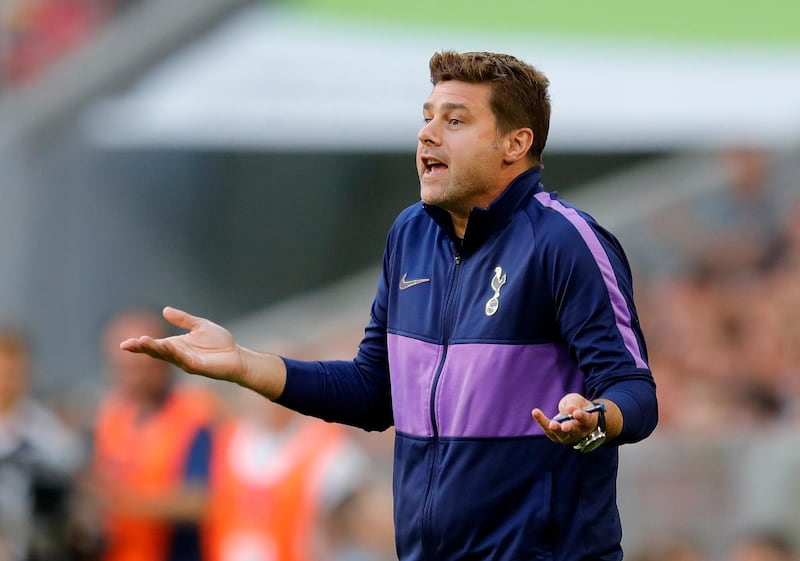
(432, 165)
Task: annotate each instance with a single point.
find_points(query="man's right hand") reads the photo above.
(210, 350)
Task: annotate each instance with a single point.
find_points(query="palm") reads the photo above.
(206, 349)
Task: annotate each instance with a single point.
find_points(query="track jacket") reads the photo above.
(465, 339)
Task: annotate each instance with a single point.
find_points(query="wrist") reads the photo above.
(261, 372)
(598, 436)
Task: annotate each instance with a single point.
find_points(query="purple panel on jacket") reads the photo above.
(412, 364)
(489, 390)
(485, 390)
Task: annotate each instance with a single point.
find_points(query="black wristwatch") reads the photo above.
(594, 439)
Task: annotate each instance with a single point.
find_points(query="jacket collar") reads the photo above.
(483, 222)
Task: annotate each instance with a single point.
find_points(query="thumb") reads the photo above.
(181, 319)
(572, 402)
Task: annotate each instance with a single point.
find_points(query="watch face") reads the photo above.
(592, 441)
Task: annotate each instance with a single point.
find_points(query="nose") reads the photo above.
(428, 133)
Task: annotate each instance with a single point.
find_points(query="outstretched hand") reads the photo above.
(207, 349)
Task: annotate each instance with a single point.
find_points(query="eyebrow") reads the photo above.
(448, 106)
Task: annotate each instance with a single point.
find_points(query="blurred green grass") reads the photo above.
(771, 22)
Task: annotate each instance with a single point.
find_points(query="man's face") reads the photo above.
(458, 154)
(138, 376)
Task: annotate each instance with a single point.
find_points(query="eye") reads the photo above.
(426, 120)
(455, 122)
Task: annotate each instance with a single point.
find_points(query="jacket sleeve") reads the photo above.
(593, 301)
(356, 392)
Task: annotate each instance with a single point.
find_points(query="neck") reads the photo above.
(459, 225)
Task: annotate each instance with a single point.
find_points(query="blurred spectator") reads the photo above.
(342, 511)
(721, 329)
(789, 258)
(363, 529)
(152, 454)
(731, 230)
(763, 546)
(738, 231)
(723, 350)
(278, 479)
(679, 549)
(37, 453)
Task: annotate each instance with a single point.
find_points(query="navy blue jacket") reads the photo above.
(465, 339)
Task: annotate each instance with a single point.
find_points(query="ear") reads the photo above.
(517, 143)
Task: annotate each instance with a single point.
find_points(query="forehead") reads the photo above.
(473, 97)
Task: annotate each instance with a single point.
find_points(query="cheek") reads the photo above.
(490, 158)
(476, 163)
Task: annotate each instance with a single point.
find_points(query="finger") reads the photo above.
(165, 349)
(542, 419)
(142, 344)
(578, 417)
(181, 319)
(566, 427)
(131, 345)
(553, 430)
(136, 344)
(584, 420)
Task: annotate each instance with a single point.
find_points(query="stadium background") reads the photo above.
(244, 160)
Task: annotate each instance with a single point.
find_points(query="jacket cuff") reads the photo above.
(639, 407)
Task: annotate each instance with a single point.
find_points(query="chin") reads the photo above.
(428, 197)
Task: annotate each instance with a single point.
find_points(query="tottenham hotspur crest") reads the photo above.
(498, 281)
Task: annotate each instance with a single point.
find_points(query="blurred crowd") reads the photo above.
(719, 297)
(761, 545)
(172, 468)
(720, 319)
(36, 33)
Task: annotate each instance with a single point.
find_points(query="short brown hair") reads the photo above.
(519, 92)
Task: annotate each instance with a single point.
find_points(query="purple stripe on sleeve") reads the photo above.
(620, 307)
(489, 390)
(412, 365)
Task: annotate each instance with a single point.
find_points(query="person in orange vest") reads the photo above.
(276, 476)
(151, 456)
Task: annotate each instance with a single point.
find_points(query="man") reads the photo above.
(152, 454)
(37, 449)
(495, 296)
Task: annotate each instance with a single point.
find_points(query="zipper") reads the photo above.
(447, 315)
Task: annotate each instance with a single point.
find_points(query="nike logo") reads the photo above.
(405, 283)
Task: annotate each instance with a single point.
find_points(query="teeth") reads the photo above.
(429, 163)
